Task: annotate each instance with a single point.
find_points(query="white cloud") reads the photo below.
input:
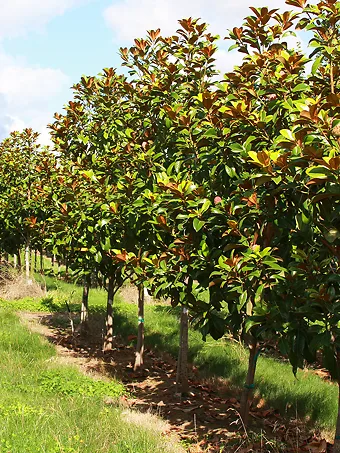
(20, 16)
(27, 95)
(131, 18)
(225, 61)
(25, 85)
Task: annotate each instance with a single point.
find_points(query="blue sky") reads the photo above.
(46, 45)
(78, 42)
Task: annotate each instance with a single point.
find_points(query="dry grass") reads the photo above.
(155, 424)
(14, 286)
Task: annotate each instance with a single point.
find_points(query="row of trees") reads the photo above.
(191, 186)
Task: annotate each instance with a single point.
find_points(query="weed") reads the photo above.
(67, 381)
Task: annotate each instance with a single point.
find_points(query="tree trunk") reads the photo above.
(182, 384)
(35, 260)
(15, 261)
(27, 263)
(140, 335)
(109, 316)
(66, 269)
(42, 270)
(19, 259)
(336, 447)
(246, 397)
(84, 314)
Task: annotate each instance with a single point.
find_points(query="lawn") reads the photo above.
(307, 396)
(46, 407)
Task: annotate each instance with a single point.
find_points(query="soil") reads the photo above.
(207, 420)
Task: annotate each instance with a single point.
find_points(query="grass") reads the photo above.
(308, 396)
(59, 292)
(50, 408)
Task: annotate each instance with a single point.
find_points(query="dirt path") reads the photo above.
(207, 421)
(40, 323)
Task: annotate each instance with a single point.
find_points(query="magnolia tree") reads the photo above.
(223, 196)
(280, 126)
(104, 145)
(23, 210)
(229, 205)
(90, 138)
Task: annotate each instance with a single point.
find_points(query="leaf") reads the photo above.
(234, 46)
(217, 326)
(90, 175)
(316, 64)
(319, 172)
(198, 224)
(250, 322)
(107, 245)
(205, 206)
(253, 155)
(288, 134)
(301, 87)
(129, 132)
(98, 257)
(212, 132)
(259, 291)
(316, 446)
(242, 299)
(320, 340)
(332, 234)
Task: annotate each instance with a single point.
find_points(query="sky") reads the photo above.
(47, 45)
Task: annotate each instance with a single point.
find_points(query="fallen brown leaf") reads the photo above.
(315, 446)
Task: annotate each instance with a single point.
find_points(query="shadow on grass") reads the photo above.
(308, 396)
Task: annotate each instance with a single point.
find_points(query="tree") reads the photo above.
(22, 210)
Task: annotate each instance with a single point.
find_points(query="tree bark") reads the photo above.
(182, 384)
(15, 261)
(247, 394)
(336, 447)
(84, 313)
(42, 270)
(35, 260)
(19, 259)
(140, 335)
(27, 263)
(109, 316)
(66, 270)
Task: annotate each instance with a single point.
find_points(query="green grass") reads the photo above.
(50, 408)
(308, 396)
(59, 292)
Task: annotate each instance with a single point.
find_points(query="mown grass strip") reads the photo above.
(49, 408)
(308, 396)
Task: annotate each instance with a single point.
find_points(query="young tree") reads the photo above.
(20, 205)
